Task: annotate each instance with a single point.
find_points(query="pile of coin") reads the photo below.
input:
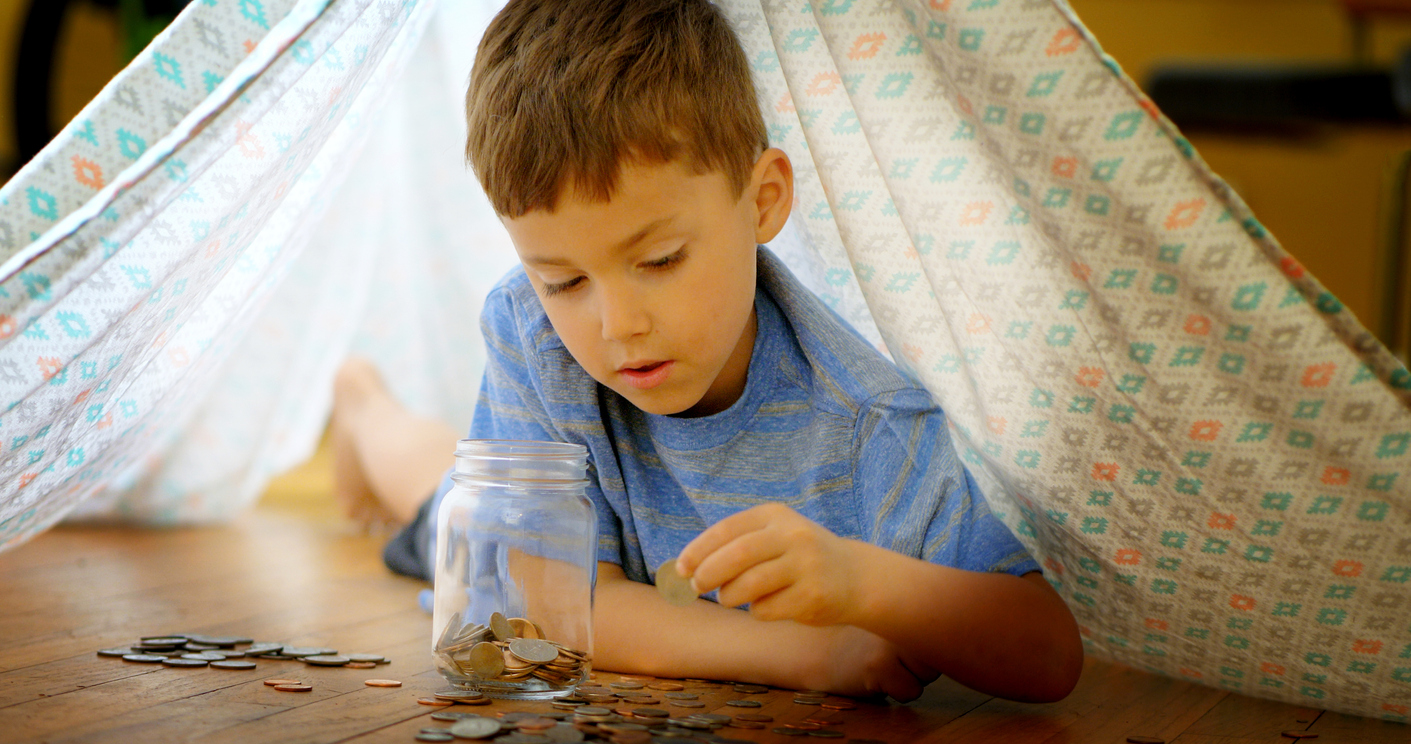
(506, 650)
(221, 652)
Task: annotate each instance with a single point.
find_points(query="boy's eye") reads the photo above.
(552, 289)
(665, 261)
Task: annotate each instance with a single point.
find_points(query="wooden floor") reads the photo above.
(283, 573)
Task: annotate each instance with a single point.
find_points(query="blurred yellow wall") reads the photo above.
(1321, 197)
(88, 57)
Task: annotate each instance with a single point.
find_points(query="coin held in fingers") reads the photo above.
(673, 586)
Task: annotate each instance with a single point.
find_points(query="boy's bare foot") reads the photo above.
(355, 385)
(387, 460)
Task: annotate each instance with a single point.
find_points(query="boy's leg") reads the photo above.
(387, 461)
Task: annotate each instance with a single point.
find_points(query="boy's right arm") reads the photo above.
(637, 631)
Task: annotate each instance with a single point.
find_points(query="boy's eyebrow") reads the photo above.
(618, 247)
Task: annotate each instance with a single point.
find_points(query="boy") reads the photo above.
(730, 417)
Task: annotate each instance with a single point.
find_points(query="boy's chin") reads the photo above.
(659, 404)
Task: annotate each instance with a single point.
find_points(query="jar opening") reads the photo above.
(529, 463)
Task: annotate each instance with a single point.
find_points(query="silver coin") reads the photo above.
(116, 652)
(365, 658)
(743, 703)
(475, 728)
(673, 586)
(533, 651)
(184, 662)
(264, 648)
(144, 658)
(204, 656)
(300, 652)
(326, 660)
(232, 664)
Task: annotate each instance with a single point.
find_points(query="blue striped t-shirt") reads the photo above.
(826, 425)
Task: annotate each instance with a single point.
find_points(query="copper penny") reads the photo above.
(273, 682)
(666, 686)
(435, 703)
(361, 665)
(838, 705)
(803, 726)
(294, 688)
(382, 683)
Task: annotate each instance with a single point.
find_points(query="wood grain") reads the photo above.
(281, 577)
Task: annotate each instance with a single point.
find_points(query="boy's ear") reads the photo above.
(773, 186)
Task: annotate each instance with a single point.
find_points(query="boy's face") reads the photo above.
(653, 291)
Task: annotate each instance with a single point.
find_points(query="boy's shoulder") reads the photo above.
(849, 372)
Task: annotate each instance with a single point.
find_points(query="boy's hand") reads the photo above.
(785, 566)
(862, 664)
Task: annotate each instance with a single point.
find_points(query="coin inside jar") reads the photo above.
(533, 650)
(673, 586)
(500, 627)
(486, 660)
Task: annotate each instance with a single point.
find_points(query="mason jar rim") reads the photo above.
(527, 448)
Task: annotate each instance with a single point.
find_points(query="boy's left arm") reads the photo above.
(1000, 634)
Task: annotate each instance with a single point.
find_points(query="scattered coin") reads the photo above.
(743, 703)
(232, 664)
(807, 701)
(116, 652)
(803, 726)
(273, 682)
(204, 656)
(744, 689)
(475, 728)
(326, 660)
(360, 665)
(299, 652)
(673, 586)
(382, 682)
(435, 703)
(838, 705)
(144, 658)
(681, 695)
(687, 703)
(294, 688)
(666, 686)
(181, 662)
(820, 694)
(626, 684)
(366, 658)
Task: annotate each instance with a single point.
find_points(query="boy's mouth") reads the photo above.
(645, 376)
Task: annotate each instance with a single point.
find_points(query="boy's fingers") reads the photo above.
(734, 558)
(719, 534)
(759, 581)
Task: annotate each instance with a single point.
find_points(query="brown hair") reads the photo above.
(563, 91)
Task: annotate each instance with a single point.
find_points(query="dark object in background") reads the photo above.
(34, 65)
(1281, 99)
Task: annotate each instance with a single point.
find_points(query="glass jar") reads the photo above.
(516, 558)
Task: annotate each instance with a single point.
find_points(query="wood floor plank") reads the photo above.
(1339, 728)
(1238, 716)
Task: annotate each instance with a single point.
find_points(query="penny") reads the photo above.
(681, 695)
(1145, 740)
(144, 658)
(1299, 734)
(434, 736)
(687, 703)
(626, 684)
(538, 652)
(820, 694)
(360, 665)
(294, 688)
(759, 717)
(564, 734)
(838, 705)
(525, 628)
(536, 724)
(743, 703)
(475, 728)
(382, 682)
(435, 703)
(650, 713)
(822, 721)
(326, 660)
(593, 710)
(666, 686)
(184, 663)
(751, 689)
(803, 726)
(232, 664)
(273, 682)
(486, 660)
(673, 586)
(500, 627)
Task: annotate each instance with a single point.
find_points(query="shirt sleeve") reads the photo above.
(916, 497)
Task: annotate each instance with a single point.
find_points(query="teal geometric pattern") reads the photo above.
(1208, 454)
(137, 249)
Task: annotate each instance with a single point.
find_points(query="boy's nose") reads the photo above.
(623, 317)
